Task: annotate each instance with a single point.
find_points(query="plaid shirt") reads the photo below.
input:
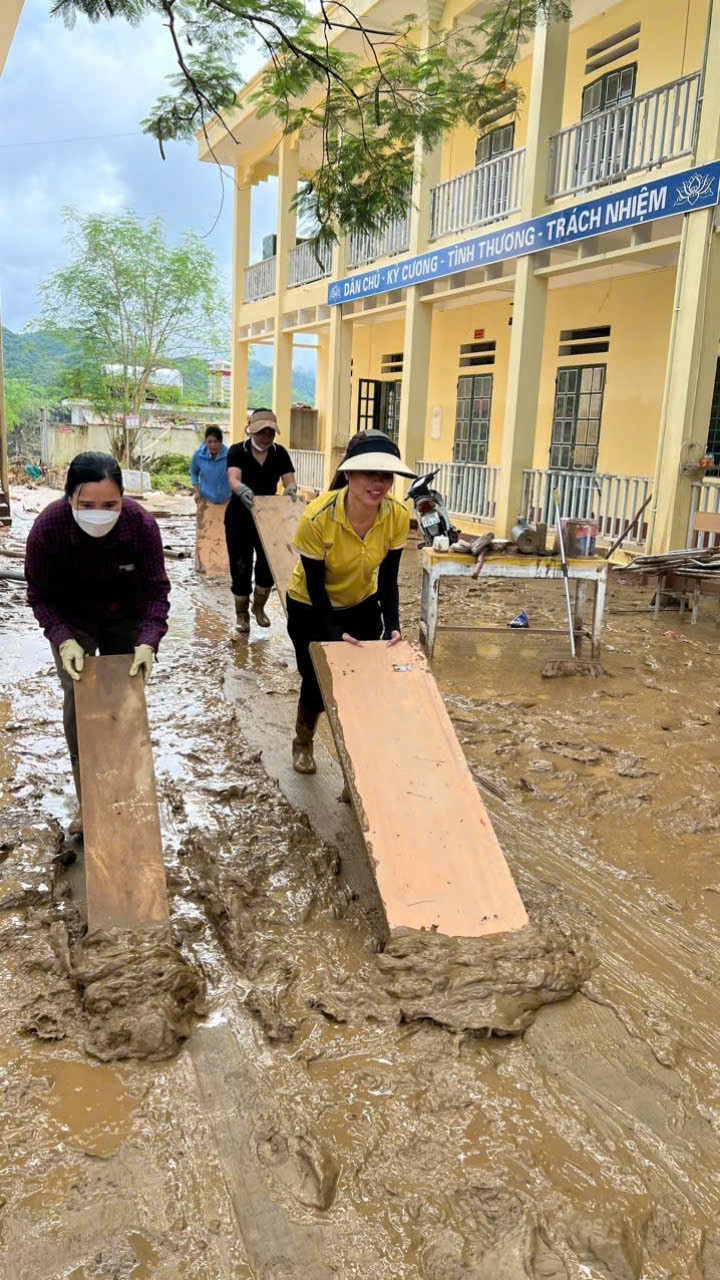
(76, 582)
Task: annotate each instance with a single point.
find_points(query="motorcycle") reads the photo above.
(432, 514)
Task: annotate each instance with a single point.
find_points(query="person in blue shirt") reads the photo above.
(208, 469)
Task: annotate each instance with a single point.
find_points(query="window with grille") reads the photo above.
(604, 144)
(472, 418)
(496, 142)
(576, 417)
(366, 404)
(379, 406)
(610, 90)
(713, 440)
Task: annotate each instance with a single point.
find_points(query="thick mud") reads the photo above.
(379, 1108)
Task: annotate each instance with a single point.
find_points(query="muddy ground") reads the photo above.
(415, 1144)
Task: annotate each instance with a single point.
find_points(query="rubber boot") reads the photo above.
(260, 599)
(302, 747)
(242, 612)
(76, 826)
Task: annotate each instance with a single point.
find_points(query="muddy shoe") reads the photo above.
(303, 758)
(242, 612)
(260, 599)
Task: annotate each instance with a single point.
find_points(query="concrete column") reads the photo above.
(239, 350)
(338, 377)
(418, 314)
(694, 336)
(286, 236)
(528, 326)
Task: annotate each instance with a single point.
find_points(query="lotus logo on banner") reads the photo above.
(695, 189)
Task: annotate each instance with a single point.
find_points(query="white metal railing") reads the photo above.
(309, 467)
(639, 134)
(609, 501)
(469, 488)
(260, 280)
(483, 194)
(308, 262)
(365, 246)
(704, 499)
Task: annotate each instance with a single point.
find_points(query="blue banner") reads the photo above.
(664, 198)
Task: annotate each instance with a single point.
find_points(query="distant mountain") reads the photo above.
(39, 360)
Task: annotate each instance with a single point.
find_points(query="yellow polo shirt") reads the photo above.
(351, 562)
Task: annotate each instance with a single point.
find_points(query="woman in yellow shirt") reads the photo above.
(345, 585)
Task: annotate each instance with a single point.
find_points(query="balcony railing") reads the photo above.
(366, 246)
(639, 134)
(468, 488)
(704, 500)
(260, 280)
(309, 467)
(609, 501)
(490, 191)
(309, 262)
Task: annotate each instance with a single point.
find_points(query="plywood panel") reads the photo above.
(124, 871)
(237, 1103)
(276, 519)
(436, 858)
(211, 555)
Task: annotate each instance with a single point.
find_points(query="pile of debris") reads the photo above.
(693, 561)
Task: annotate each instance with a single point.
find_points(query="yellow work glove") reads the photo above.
(143, 657)
(72, 656)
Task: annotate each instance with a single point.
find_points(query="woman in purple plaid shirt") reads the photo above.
(96, 580)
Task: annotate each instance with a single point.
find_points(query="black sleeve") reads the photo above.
(234, 456)
(389, 593)
(284, 461)
(317, 591)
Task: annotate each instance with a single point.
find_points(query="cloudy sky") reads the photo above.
(70, 107)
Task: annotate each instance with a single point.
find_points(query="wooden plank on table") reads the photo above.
(211, 556)
(436, 858)
(124, 871)
(276, 519)
(236, 1104)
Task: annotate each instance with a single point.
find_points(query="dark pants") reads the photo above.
(243, 544)
(362, 621)
(117, 636)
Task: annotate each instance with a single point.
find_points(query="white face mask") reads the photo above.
(96, 523)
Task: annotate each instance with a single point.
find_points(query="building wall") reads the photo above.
(638, 309)
(672, 41)
(371, 341)
(451, 329)
(64, 442)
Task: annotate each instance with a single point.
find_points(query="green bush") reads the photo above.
(170, 473)
(170, 462)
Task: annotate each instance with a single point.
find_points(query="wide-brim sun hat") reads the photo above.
(261, 420)
(376, 453)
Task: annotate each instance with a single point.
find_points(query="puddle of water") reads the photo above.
(88, 1105)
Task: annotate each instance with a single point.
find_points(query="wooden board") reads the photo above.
(276, 519)
(238, 1108)
(437, 860)
(211, 555)
(124, 871)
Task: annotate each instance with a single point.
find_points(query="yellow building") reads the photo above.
(548, 313)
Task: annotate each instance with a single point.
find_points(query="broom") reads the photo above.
(572, 666)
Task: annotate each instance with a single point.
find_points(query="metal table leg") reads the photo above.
(578, 607)
(598, 617)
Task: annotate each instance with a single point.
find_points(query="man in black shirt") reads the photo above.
(255, 466)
